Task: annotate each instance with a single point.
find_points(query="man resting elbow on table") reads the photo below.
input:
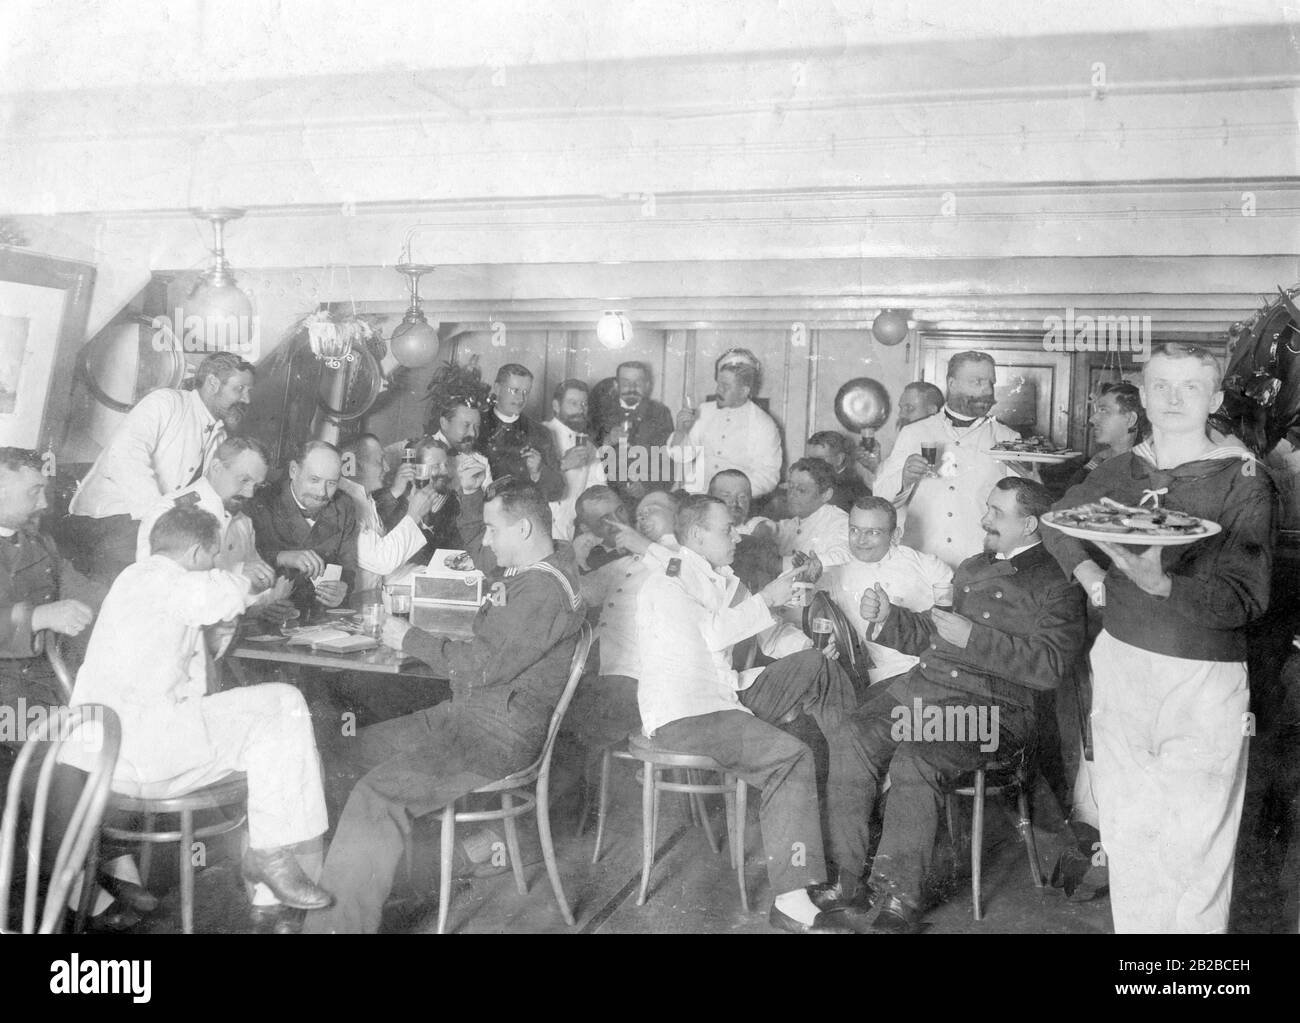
(505, 684)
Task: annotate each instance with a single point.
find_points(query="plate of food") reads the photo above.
(1031, 449)
(1108, 521)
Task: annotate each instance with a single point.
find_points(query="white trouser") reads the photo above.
(1083, 802)
(264, 731)
(1170, 739)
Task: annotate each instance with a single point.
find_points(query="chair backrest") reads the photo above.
(576, 668)
(59, 662)
(91, 728)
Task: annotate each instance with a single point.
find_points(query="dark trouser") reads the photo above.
(414, 766)
(102, 548)
(750, 746)
(604, 711)
(25, 682)
(920, 774)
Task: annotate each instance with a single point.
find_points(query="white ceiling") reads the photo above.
(48, 45)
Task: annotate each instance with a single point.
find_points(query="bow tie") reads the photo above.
(956, 420)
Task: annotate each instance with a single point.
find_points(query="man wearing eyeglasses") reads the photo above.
(913, 580)
(514, 444)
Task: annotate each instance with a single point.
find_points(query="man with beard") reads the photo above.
(513, 444)
(1016, 627)
(944, 500)
(579, 462)
(457, 394)
(165, 443)
(638, 422)
(305, 524)
(440, 523)
(729, 433)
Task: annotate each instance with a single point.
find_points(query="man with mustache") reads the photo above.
(579, 462)
(943, 502)
(1017, 627)
(305, 524)
(165, 443)
(638, 421)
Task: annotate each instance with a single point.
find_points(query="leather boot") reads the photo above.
(280, 871)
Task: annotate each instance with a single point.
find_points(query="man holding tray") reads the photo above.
(1170, 700)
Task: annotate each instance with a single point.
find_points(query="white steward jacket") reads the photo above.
(563, 511)
(686, 629)
(160, 446)
(146, 659)
(943, 516)
(742, 438)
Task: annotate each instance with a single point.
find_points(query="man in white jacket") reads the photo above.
(730, 433)
(164, 444)
(145, 661)
(580, 464)
(944, 502)
(691, 699)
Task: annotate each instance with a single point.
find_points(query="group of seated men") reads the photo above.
(960, 604)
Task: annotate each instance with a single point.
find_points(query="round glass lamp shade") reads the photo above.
(890, 326)
(217, 317)
(614, 330)
(414, 343)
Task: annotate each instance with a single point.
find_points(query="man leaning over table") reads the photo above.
(165, 443)
(505, 684)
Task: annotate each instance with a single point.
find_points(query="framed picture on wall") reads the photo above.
(44, 303)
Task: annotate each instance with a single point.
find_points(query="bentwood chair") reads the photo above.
(1013, 775)
(94, 733)
(229, 796)
(655, 761)
(519, 793)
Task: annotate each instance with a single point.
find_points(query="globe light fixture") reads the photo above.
(217, 316)
(614, 329)
(415, 340)
(890, 326)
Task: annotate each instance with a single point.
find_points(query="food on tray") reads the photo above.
(460, 562)
(1029, 445)
(1108, 516)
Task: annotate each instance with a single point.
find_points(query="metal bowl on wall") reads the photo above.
(862, 404)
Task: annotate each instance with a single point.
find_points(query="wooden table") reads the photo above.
(451, 622)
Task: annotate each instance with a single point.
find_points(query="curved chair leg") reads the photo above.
(739, 844)
(89, 886)
(512, 844)
(448, 850)
(187, 871)
(146, 849)
(729, 800)
(1026, 828)
(977, 842)
(602, 801)
(649, 812)
(548, 850)
(702, 812)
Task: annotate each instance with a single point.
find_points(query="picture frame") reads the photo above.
(44, 308)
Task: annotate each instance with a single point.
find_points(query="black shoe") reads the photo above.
(276, 920)
(825, 896)
(831, 922)
(117, 918)
(140, 899)
(896, 917)
(412, 915)
(280, 871)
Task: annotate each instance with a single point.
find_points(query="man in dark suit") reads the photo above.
(1017, 626)
(513, 443)
(633, 418)
(505, 684)
(39, 592)
(305, 524)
